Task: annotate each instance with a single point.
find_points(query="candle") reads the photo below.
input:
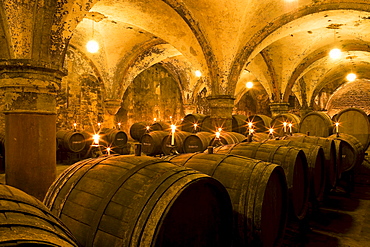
(155, 119)
(147, 128)
(75, 126)
(99, 125)
(336, 127)
(218, 135)
(195, 126)
(119, 126)
(250, 125)
(108, 151)
(96, 138)
(271, 130)
(284, 126)
(219, 129)
(173, 129)
(290, 127)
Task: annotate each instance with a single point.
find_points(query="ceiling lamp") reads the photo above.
(249, 84)
(198, 73)
(335, 53)
(351, 77)
(92, 46)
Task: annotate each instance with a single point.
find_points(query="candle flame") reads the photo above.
(96, 138)
(147, 127)
(250, 125)
(155, 119)
(337, 124)
(173, 128)
(219, 129)
(217, 135)
(290, 125)
(271, 130)
(285, 124)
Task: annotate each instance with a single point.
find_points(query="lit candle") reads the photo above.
(195, 126)
(284, 126)
(173, 129)
(218, 135)
(250, 125)
(75, 126)
(119, 125)
(99, 125)
(96, 138)
(251, 131)
(147, 128)
(219, 129)
(337, 127)
(108, 151)
(290, 127)
(271, 130)
(155, 119)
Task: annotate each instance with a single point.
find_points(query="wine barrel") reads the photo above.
(114, 137)
(328, 146)
(278, 120)
(137, 130)
(26, 221)
(261, 123)
(180, 137)
(291, 159)
(141, 201)
(317, 124)
(355, 122)
(71, 141)
(207, 125)
(160, 126)
(197, 142)
(239, 124)
(316, 166)
(152, 142)
(189, 120)
(351, 151)
(258, 192)
(227, 138)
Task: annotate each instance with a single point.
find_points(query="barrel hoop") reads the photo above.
(254, 152)
(73, 185)
(57, 185)
(104, 202)
(219, 161)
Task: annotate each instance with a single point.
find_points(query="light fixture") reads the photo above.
(92, 45)
(249, 84)
(335, 53)
(198, 73)
(351, 77)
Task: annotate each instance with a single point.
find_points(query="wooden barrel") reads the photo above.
(141, 201)
(278, 120)
(239, 124)
(197, 142)
(328, 146)
(71, 141)
(317, 124)
(260, 137)
(355, 122)
(114, 137)
(258, 193)
(27, 221)
(350, 150)
(227, 138)
(207, 125)
(180, 137)
(152, 142)
(291, 159)
(189, 120)
(316, 166)
(158, 126)
(137, 130)
(261, 123)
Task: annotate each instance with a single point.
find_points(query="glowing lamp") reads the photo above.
(92, 46)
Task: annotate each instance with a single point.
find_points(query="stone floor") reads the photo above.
(342, 220)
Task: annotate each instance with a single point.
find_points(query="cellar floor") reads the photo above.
(341, 220)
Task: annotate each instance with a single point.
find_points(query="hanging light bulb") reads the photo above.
(335, 53)
(92, 46)
(249, 84)
(351, 77)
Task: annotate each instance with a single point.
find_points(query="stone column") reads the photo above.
(221, 109)
(111, 107)
(28, 101)
(279, 108)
